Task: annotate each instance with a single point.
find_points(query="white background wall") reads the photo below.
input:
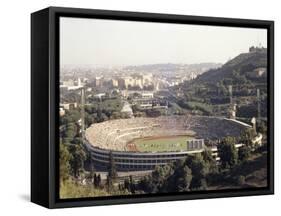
(15, 106)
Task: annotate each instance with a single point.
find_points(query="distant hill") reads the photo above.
(173, 67)
(238, 66)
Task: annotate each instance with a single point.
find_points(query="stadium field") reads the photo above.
(161, 144)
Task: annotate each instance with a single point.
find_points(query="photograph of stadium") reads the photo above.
(148, 108)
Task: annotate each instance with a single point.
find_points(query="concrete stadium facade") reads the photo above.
(135, 161)
(132, 161)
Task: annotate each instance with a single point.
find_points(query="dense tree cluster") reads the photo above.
(182, 175)
(227, 152)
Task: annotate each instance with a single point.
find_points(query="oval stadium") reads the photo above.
(143, 143)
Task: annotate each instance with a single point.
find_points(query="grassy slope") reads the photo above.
(72, 190)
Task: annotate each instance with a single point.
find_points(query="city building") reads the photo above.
(98, 81)
(68, 106)
(99, 96)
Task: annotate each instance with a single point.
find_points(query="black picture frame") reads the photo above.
(45, 101)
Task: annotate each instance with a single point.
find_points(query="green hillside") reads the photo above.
(238, 66)
(208, 94)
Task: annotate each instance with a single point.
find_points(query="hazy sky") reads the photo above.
(109, 43)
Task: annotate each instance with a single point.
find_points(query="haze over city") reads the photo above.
(117, 43)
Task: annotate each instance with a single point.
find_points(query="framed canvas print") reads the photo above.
(139, 107)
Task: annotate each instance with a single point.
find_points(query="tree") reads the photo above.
(199, 170)
(65, 157)
(247, 137)
(207, 155)
(181, 180)
(132, 185)
(89, 119)
(109, 184)
(145, 184)
(227, 152)
(70, 132)
(97, 181)
(210, 161)
(77, 160)
(71, 116)
(92, 175)
(175, 177)
(127, 184)
(159, 178)
(112, 173)
(244, 153)
(261, 127)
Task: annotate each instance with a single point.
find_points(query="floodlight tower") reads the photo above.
(258, 104)
(230, 94)
(232, 106)
(82, 111)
